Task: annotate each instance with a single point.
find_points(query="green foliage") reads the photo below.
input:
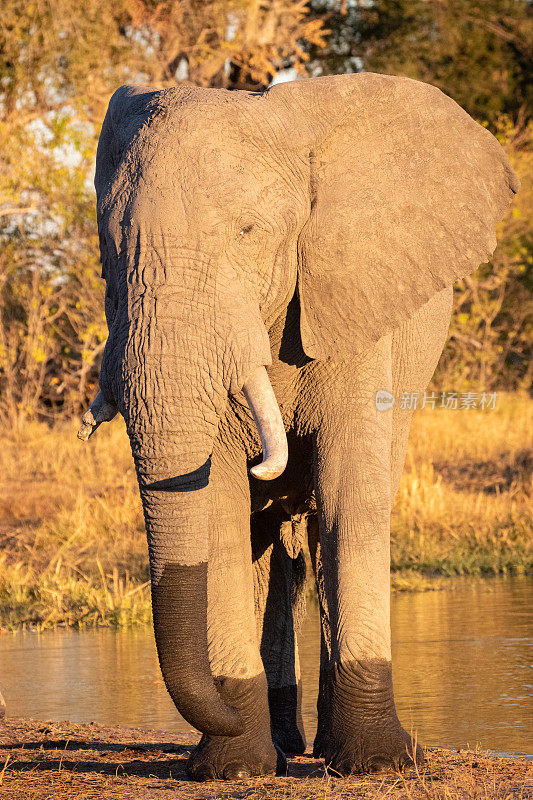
(504, 549)
(60, 596)
(52, 326)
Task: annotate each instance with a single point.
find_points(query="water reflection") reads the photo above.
(462, 663)
(462, 670)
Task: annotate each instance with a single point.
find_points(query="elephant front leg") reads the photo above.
(233, 647)
(359, 729)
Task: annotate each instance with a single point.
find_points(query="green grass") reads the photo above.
(72, 536)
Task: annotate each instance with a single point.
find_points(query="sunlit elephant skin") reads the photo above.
(315, 230)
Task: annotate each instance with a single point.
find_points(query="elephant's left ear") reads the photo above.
(406, 190)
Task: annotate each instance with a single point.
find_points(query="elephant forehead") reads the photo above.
(210, 148)
(216, 171)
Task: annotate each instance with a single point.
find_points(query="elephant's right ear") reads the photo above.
(406, 190)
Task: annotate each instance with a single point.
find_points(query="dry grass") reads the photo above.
(66, 761)
(73, 542)
(72, 534)
(464, 504)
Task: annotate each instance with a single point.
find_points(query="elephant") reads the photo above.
(272, 262)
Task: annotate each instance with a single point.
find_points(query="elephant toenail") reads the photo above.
(379, 763)
(203, 772)
(405, 761)
(236, 772)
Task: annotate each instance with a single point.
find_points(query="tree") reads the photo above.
(479, 52)
(235, 44)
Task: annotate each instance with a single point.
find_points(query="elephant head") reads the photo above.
(366, 194)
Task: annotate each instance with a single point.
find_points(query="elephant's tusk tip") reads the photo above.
(268, 471)
(88, 424)
(265, 410)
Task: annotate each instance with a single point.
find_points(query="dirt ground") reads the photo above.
(65, 760)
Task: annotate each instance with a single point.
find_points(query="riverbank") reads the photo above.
(66, 761)
(72, 543)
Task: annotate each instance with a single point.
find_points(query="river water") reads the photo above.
(462, 663)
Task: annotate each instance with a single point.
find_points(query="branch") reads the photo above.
(5, 212)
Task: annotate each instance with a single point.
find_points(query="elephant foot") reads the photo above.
(362, 732)
(286, 720)
(248, 755)
(229, 759)
(372, 749)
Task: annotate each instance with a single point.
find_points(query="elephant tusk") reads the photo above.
(265, 410)
(99, 411)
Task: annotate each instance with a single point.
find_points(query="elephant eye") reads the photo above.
(246, 229)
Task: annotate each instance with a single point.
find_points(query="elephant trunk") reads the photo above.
(172, 387)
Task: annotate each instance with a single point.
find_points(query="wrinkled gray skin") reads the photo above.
(315, 229)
